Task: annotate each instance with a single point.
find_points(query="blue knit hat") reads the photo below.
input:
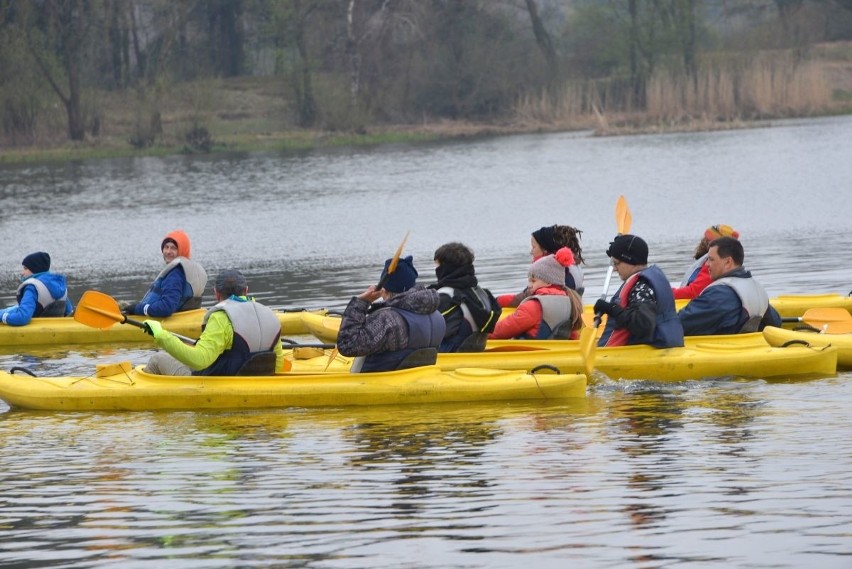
(37, 262)
(403, 278)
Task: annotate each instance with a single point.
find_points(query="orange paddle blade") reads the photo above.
(98, 310)
(818, 316)
(623, 218)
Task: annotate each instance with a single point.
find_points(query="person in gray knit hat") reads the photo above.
(552, 311)
(41, 293)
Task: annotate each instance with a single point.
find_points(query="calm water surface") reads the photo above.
(713, 473)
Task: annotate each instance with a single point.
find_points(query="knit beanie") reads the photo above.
(551, 268)
(716, 231)
(37, 262)
(544, 237)
(629, 249)
(180, 239)
(403, 277)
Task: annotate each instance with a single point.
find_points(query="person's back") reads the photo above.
(40, 294)
(382, 335)
(234, 331)
(178, 287)
(642, 311)
(469, 311)
(697, 276)
(734, 302)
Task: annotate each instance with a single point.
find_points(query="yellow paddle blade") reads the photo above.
(331, 357)
(588, 343)
(395, 260)
(98, 310)
(623, 218)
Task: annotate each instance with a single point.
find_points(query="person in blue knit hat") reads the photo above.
(381, 334)
(40, 294)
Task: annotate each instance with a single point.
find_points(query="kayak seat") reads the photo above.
(419, 357)
(473, 343)
(261, 363)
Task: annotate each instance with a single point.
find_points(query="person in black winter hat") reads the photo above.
(642, 310)
(40, 294)
(380, 335)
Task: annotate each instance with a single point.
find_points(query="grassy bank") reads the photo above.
(250, 114)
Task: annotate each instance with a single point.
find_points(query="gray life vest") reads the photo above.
(752, 296)
(196, 276)
(253, 322)
(48, 306)
(556, 312)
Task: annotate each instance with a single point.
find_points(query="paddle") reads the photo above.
(829, 320)
(394, 262)
(288, 343)
(588, 340)
(99, 310)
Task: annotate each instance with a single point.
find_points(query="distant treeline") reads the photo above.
(348, 64)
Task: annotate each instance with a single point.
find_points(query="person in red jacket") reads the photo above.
(552, 311)
(697, 277)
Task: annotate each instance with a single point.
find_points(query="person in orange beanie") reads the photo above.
(697, 277)
(178, 287)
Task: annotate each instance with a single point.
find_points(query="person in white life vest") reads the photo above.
(234, 331)
(734, 302)
(178, 287)
(40, 294)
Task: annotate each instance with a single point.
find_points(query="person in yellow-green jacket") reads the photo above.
(234, 331)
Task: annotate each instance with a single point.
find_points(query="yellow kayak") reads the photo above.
(119, 386)
(741, 355)
(66, 330)
(842, 342)
(325, 326)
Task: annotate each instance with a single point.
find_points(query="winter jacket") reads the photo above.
(719, 309)
(54, 298)
(527, 320)
(380, 328)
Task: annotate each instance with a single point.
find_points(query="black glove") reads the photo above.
(126, 307)
(603, 307)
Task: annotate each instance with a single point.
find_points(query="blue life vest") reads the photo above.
(424, 331)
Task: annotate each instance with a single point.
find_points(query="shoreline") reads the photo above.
(304, 140)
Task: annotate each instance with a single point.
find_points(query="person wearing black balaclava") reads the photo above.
(469, 310)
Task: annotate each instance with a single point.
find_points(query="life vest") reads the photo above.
(668, 331)
(557, 313)
(424, 331)
(193, 288)
(693, 270)
(574, 278)
(46, 304)
(256, 329)
(752, 296)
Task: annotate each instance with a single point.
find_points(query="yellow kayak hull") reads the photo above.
(66, 330)
(843, 342)
(121, 387)
(703, 357)
(325, 327)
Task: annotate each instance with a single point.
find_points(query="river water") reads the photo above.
(712, 473)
